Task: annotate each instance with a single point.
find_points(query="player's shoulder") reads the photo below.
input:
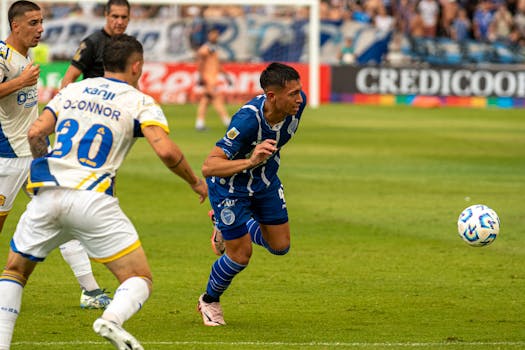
(250, 110)
(96, 38)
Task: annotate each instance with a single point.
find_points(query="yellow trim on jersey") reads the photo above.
(4, 213)
(91, 176)
(104, 185)
(120, 254)
(163, 126)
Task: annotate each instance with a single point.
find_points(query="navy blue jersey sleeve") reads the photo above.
(240, 135)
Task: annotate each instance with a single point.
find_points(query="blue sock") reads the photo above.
(257, 237)
(222, 273)
(255, 232)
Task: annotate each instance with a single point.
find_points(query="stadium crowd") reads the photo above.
(485, 20)
(489, 22)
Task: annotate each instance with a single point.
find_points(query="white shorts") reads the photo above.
(56, 215)
(13, 174)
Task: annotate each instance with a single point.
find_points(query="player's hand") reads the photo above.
(30, 74)
(201, 188)
(263, 151)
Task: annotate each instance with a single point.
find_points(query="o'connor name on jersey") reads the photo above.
(94, 107)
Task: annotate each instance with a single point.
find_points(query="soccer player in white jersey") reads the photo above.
(245, 192)
(18, 109)
(96, 122)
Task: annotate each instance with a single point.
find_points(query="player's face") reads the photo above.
(117, 20)
(288, 99)
(28, 28)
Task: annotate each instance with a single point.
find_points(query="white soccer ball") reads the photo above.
(478, 225)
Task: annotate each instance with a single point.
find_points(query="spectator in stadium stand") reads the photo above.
(481, 21)
(382, 20)
(461, 26)
(346, 54)
(403, 15)
(210, 69)
(519, 19)
(501, 26)
(429, 10)
(449, 12)
(417, 27)
(87, 60)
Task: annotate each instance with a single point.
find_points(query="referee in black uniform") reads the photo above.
(88, 57)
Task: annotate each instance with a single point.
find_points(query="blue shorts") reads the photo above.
(233, 210)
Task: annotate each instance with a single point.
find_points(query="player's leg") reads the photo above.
(269, 225)
(222, 273)
(204, 101)
(12, 282)
(133, 272)
(218, 104)
(34, 238)
(231, 221)
(92, 297)
(275, 238)
(108, 236)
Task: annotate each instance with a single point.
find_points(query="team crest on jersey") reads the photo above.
(2, 199)
(227, 216)
(232, 133)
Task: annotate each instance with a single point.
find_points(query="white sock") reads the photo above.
(75, 255)
(128, 299)
(10, 303)
(226, 121)
(199, 123)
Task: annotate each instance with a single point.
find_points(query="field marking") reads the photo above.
(310, 344)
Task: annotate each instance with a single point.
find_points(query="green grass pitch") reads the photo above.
(376, 262)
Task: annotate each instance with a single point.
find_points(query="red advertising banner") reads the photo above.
(178, 82)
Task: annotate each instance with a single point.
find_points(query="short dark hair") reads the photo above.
(118, 51)
(116, 3)
(19, 8)
(277, 74)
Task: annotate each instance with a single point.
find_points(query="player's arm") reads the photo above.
(70, 76)
(28, 77)
(84, 57)
(39, 131)
(218, 164)
(174, 159)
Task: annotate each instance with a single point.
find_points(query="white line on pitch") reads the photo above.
(312, 344)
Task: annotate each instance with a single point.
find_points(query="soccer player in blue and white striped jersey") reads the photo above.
(245, 192)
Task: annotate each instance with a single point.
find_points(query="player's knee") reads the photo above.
(240, 257)
(280, 250)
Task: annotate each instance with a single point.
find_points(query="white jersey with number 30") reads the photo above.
(97, 122)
